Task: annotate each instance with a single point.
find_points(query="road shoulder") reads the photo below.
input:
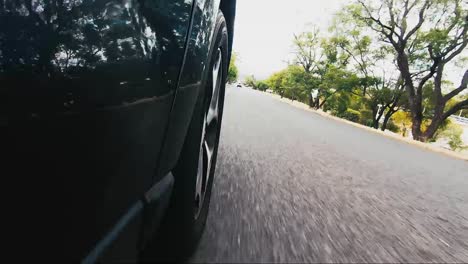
(387, 134)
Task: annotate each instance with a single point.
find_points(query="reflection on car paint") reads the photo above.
(67, 56)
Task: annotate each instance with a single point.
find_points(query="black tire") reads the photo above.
(181, 230)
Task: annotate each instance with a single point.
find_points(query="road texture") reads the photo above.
(294, 186)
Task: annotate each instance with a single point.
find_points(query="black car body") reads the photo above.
(98, 95)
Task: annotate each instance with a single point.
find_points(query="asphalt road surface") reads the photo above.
(293, 186)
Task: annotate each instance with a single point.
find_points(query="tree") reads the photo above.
(275, 82)
(294, 82)
(380, 91)
(233, 72)
(251, 81)
(398, 99)
(261, 85)
(452, 133)
(425, 36)
(357, 46)
(384, 99)
(335, 80)
(331, 72)
(308, 56)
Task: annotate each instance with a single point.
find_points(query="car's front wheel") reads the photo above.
(186, 217)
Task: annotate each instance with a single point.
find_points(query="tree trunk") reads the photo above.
(414, 98)
(431, 130)
(375, 123)
(437, 119)
(385, 122)
(374, 113)
(317, 102)
(416, 129)
(387, 118)
(416, 116)
(322, 103)
(311, 101)
(376, 116)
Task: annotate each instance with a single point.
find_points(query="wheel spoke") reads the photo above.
(199, 183)
(209, 155)
(216, 68)
(210, 127)
(213, 112)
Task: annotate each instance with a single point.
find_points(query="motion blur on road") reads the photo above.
(294, 186)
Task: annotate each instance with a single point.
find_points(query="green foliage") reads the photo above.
(338, 103)
(256, 85)
(366, 115)
(275, 81)
(307, 51)
(424, 37)
(294, 82)
(261, 85)
(453, 132)
(251, 81)
(368, 122)
(442, 129)
(456, 143)
(393, 127)
(356, 66)
(337, 79)
(351, 115)
(233, 72)
(356, 101)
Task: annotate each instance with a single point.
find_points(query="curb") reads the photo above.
(386, 134)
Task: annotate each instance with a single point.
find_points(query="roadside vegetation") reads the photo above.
(233, 72)
(384, 64)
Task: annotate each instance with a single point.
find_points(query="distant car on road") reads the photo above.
(239, 85)
(120, 104)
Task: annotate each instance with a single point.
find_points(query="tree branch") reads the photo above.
(354, 58)
(457, 17)
(459, 106)
(390, 11)
(462, 87)
(381, 24)
(438, 82)
(420, 21)
(463, 35)
(408, 9)
(428, 76)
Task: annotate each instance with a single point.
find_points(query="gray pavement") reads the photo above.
(294, 186)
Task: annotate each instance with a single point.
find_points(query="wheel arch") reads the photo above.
(193, 74)
(228, 7)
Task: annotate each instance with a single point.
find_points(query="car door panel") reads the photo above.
(86, 89)
(193, 73)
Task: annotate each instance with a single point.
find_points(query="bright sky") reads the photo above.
(264, 30)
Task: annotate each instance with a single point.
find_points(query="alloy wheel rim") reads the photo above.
(210, 128)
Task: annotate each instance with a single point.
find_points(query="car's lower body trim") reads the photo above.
(155, 200)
